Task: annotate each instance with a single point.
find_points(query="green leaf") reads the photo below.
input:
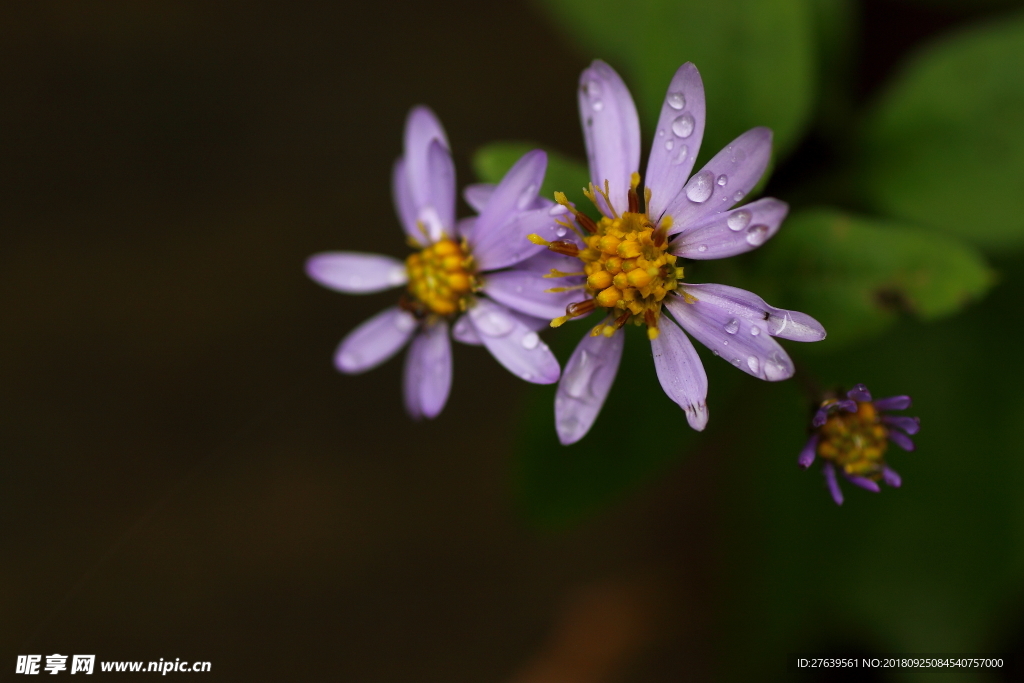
(564, 174)
(857, 275)
(944, 148)
(755, 57)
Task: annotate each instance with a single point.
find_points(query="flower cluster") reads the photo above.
(487, 279)
(851, 436)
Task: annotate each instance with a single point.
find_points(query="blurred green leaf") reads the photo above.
(944, 147)
(856, 275)
(756, 57)
(564, 174)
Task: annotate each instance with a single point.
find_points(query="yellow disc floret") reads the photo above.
(856, 442)
(626, 261)
(441, 278)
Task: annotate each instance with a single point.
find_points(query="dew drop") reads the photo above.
(732, 326)
(702, 248)
(405, 322)
(700, 187)
(676, 100)
(527, 376)
(757, 234)
(557, 210)
(561, 232)
(753, 364)
(725, 343)
(492, 323)
(681, 155)
(597, 105)
(530, 341)
(738, 196)
(775, 371)
(683, 125)
(738, 220)
(661, 133)
(722, 180)
(669, 145)
(576, 381)
(755, 330)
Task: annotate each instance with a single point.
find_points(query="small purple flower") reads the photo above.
(455, 265)
(852, 435)
(630, 255)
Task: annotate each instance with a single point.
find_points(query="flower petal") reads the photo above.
(809, 451)
(429, 371)
(511, 244)
(725, 180)
(547, 260)
(464, 227)
(893, 403)
(528, 293)
(497, 236)
(901, 440)
(421, 128)
(829, 473)
(356, 273)
(677, 140)
(863, 482)
(513, 344)
(584, 386)
(777, 322)
(464, 332)
(892, 477)
(611, 130)
(405, 203)
(441, 187)
(859, 393)
(911, 425)
(732, 232)
(375, 341)
(681, 373)
(477, 195)
(732, 338)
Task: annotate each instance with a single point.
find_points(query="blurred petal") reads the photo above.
(441, 184)
(464, 227)
(677, 140)
(732, 338)
(421, 128)
(725, 180)
(892, 478)
(526, 292)
(864, 483)
(376, 340)
(476, 195)
(901, 440)
(513, 344)
(859, 393)
(893, 403)
(809, 451)
(429, 370)
(681, 373)
(911, 425)
(511, 244)
(732, 232)
(405, 203)
(611, 131)
(464, 332)
(495, 238)
(833, 486)
(777, 322)
(588, 377)
(356, 273)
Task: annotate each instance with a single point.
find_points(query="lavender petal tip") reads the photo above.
(901, 440)
(893, 403)
(808, 453)
(864, 483)
(859, 393)
(892, 477)
(833, 485)
(911, 425)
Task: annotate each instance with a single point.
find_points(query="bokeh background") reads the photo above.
(186, 476)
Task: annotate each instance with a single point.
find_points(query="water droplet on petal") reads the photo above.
(732, 326)
(530, 341)
(561, 232)
(576, 381)
(681, 155)
(493, 323)
(597, 105)
(676, 100)
(738, 220)
(722, 180)
(683, 125)
(725, 343)
(757, 234)
(527, 376)
(669, 145)
(702, 248)
(755, 330)
(700, 187)
(738, 196)
(557, 210)
(774, 370)
(753, 364)
(404, 322)
(661, 133)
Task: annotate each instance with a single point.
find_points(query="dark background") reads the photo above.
(184, 474)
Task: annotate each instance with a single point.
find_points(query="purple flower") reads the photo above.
(852, 435)
(630, 255)
(455, 264)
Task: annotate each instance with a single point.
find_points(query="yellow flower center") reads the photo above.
(626, 262)
(856, 441)
(441, 278)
